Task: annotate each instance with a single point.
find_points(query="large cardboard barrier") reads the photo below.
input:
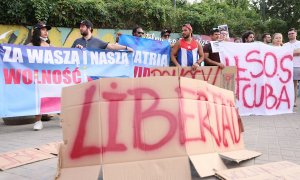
(148, 127)
(224, 78)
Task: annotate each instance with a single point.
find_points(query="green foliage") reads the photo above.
(239, 15)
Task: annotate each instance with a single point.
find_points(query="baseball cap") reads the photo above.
(165, 31)
(87, 23)
(41, 25)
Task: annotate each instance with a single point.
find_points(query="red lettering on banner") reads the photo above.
(140, 116)
(289, 76)
(113, 122)
(29, 76)
(281, 99)
(79, 149)
(222, 117)
(160, 72)
(12, 76)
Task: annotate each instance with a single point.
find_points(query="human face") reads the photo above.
(292, 35)
(186, 33)
(84, 30)
(250, 38)
(277, 40)
(223, 35)
(139, 32)
(268, 39)
(44, 32)
(215, 36)
(166, 36)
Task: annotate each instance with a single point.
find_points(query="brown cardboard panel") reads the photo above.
(225, 128)
(212, 79)
(193, 89)
(196, 125)
(176, 168)
(82, 135)
(20, 157)
(239, 155)
(164, 71)
(200, 71)
(79, 173)
(124, 89)
(141, 130)
(80, 94)
(51, 148)
(277, 170)
(207, 164)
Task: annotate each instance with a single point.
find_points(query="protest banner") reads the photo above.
(32, 77)
(264, 77)
(127, 127)
(224, 78)
(147, 52)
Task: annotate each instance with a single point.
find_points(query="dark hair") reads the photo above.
(213, 30)
(246, 35)
(265, 35)
(35, 39)
(134, 30)
(293, 29)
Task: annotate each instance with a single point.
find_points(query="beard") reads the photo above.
(84, 33)
(186, 36)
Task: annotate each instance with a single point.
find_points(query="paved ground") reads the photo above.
(277, 137)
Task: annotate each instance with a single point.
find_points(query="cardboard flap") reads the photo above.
(20, 157)
(207, 164)
(84, 172)
(176, 168)
(51, 148)
(240, 155)
(277, 170)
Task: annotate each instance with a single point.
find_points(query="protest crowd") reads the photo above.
(186, 52)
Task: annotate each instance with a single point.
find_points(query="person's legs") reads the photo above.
(296, 92)
(38, 125)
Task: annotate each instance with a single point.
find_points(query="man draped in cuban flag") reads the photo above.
(188, 51)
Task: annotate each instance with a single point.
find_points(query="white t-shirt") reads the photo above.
(294, 46)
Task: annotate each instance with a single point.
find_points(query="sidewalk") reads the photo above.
(277, 137)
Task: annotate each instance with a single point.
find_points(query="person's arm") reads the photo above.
(209, 61)
(201, 57)
(296, 52)
(174, 53)
(118, 47)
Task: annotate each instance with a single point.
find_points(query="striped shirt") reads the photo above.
(188, 53)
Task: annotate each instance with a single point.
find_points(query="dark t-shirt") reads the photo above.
(213, 56)
(92, 43)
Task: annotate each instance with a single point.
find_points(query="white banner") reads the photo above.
(264, 80)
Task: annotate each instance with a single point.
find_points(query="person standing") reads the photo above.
(248, 37)
(295, 45)
(88, 41)
(266, 38)
(188, 51)
(165, 34)
(40, 38)
(138, 31)
(277, 39)
(212, 58)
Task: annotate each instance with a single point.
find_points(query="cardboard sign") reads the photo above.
(277, 170)
(20, 157)
(224, 78)
(147, 127)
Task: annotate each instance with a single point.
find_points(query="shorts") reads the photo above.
(296, 71)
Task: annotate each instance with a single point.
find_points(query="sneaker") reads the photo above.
(38, 126)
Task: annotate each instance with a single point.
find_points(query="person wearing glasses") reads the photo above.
(212, 58)
(88, 41)
(165, 34)
(138, 31)
(188, 51)
(295, 45)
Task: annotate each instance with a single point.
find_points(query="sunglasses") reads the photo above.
(167, 35)
(140, 32)
(290, 33)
